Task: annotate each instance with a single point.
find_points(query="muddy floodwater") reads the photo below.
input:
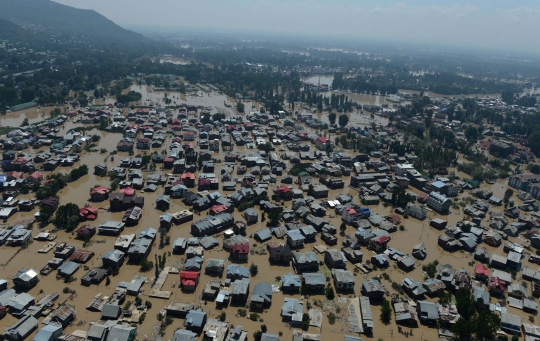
(415, 231)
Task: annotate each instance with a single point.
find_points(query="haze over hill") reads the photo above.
(55, 17)
(481, 24)
(11, 31)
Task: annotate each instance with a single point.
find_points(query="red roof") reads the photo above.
(204, 181)
(218, 208)
(194, 275)
(284, 189)
(16, 175)
(168, 159)
(188, 175)
(481, 269)
(37, 175)
(85, 230)
(88, 210)
(323, 139)
(100, 190)
(127, 191)
(497, 283)
(382, 239)
(351, 211)
(188, 282)
(240, 248)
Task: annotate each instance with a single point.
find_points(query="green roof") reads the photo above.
(23, 106)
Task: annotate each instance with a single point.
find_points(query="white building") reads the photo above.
(439, 202)
(402, 169)
(349, 215)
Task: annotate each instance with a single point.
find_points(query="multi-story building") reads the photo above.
(402, 169)
(529, 183)
(322, 142)
(439, 202)
(501, 149)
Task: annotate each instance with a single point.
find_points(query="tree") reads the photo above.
(331, 318)
(55, 112)
(465, 304)
(207, 118)
(305, 321)
(343, 120)
(386, 311)
(24, 122)
(45, 214)
(223, 316)
(257, 335)
(332, 118)
(329, 292)
(445, 298)
(487, 324)
(534, 142)
(78, 172)
(508, 194)
(131, 96)
(471, 133)
(274, 216)
(463, 328)
(240, 107)
(67, 217)
(507, 97)
(146, 265)
(28, 95)
(253, 269)
(342, 227)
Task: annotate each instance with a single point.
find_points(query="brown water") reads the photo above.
(78, 193)
(34, 115)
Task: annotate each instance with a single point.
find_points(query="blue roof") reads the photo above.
(365, 211)
(295, 235)
(49, 332)
(438, 184)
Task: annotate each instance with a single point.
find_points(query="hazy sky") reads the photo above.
(496, 24)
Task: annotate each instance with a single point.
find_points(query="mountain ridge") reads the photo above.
(60, 18)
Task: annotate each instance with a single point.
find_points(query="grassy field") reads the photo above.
(5, 130)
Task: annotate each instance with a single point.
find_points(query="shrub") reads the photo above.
(386, 312)
(331, 318)
(146, 265)
(253, 269)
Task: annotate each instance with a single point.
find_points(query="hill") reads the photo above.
(59, 18)
(13, 32)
